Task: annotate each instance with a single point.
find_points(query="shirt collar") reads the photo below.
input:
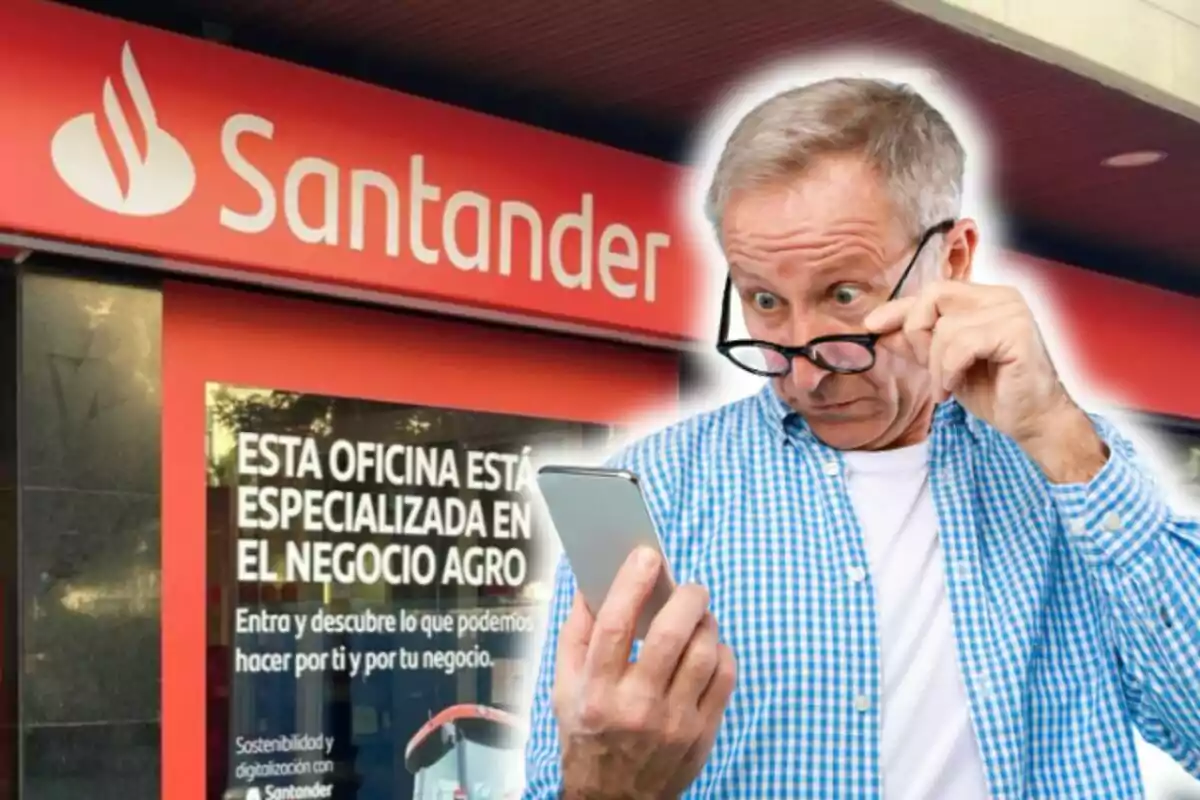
(780, 417)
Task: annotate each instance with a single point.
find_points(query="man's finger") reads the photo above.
(573, 638)
(923, 317)
(947, 330)
(960, 356)
(889, 317)
(671, 634)
(993, 343)
(959, 342)
(912, 336)
(720, 687)
(616, 621)
(934, 300)
(697, 665)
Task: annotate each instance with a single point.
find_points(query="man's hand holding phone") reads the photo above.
(639, 729)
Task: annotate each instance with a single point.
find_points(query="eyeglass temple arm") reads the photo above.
(942, 227)
(723, 329)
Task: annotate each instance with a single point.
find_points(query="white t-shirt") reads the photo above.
(928, 747)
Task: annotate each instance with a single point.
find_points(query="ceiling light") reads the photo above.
(1136, 158)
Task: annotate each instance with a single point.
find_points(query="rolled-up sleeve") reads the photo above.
(1146, 559)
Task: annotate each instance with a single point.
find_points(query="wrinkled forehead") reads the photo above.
(835, 214)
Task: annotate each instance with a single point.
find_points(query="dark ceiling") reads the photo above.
(638, 74)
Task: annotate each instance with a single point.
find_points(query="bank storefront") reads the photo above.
(281, 351)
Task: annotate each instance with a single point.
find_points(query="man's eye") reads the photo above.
(845, 294)
(765, 301)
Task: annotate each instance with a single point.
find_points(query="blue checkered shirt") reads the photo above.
(1076, 609)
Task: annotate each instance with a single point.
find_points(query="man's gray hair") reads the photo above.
(902, 136)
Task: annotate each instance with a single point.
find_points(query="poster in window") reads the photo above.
(375, 579)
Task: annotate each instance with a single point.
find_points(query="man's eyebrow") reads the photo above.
(739, 271)
(857, 268)
(852, 266)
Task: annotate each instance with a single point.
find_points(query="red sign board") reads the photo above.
(138, 140)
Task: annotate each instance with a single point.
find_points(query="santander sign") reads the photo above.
(616, 260)
(278, 172)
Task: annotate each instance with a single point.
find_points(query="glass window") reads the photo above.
(371, 567)
(90, 401)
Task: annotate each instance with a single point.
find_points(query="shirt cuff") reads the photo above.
(1117, 515)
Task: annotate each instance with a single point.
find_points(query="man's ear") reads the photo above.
(959, 249)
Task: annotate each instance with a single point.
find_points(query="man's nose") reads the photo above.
(805, 375)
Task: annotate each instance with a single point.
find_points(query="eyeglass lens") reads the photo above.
(837, 356)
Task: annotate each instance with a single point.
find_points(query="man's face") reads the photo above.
(811, 257)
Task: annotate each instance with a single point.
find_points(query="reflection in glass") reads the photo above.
(91, 371)
(90, 581)
(466, 751)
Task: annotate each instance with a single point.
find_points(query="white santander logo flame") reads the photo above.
(157, 181)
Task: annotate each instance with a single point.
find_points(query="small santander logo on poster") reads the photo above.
(153, 179)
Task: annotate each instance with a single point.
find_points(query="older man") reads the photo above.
(939, 577)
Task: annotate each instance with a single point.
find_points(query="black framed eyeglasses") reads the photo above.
(844, 353)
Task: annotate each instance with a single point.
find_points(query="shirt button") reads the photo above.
(856, 574)
(831, 468)
(862, 704)
(1078, 526)
(1112, 521)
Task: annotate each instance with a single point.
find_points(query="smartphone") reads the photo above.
(600, 516)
